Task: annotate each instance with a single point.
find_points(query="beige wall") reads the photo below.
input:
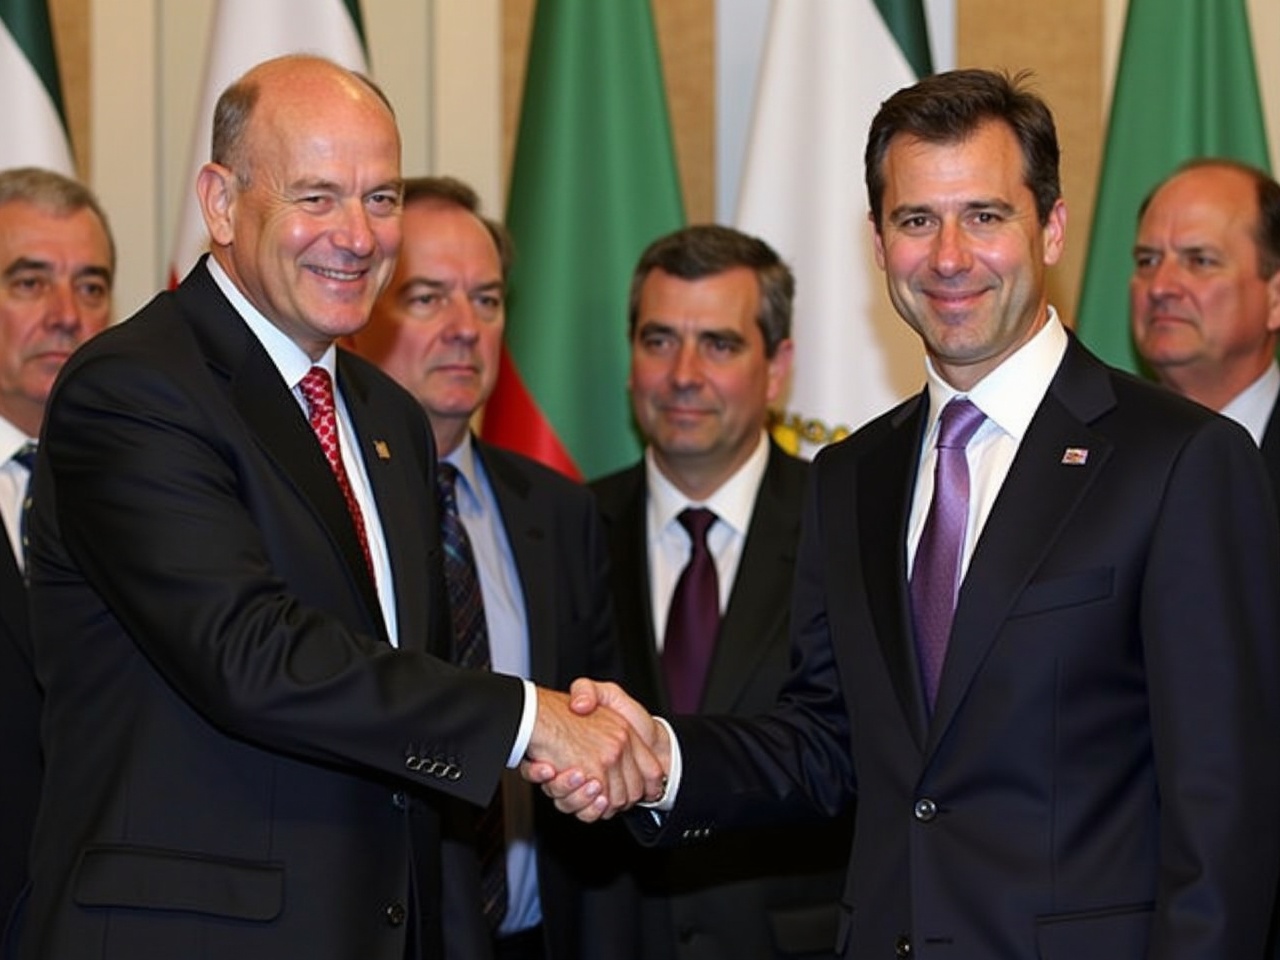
(131, 71)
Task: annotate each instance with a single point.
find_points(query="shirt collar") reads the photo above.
(1252, 406)
(463, 457)
(11, 440)
(732, 503)
(289, 358)
(1011, 393)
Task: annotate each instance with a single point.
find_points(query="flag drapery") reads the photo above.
(827, 67)
(593, 182)
(33, 130)
(1186, 87)
(244, 33)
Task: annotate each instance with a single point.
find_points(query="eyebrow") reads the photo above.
(24, 264)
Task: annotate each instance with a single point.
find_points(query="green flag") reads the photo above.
(1186, 87)
(594, 180)
(33, 130)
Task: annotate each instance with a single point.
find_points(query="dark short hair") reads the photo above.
(1266, 232)
(704, 250)
(458, 193)
(55, 193)
(232, 112)
(947, 108)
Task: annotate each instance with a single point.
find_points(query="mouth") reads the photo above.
(341, 276)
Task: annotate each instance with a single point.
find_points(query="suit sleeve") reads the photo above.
(1211, 639)
(211, 561)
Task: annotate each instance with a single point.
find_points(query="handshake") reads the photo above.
(595, 751)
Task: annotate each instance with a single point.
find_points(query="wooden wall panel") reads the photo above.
(71, 21)
(1062, 44)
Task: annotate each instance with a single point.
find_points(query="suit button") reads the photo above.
(902, 948)
(925, 810)
(394, 914)
(399, 800)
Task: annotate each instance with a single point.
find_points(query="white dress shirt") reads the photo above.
(13, 484)
(1252, 406)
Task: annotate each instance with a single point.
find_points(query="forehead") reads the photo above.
(730, 299)
(1215, 202)
(34, 232)
(987, 164)
(445, 234)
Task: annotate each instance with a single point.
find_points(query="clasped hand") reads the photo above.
(595, 751)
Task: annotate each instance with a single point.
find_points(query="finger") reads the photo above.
(584, 696)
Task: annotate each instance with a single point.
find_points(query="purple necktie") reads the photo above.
(935, 578)
(693, 619)
(471, 650)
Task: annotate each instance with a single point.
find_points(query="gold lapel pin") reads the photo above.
(1075, 456)
(382, 450)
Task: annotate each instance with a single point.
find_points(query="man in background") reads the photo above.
(710, 330)
(1205, 293)
(57, 262)
(535, 539)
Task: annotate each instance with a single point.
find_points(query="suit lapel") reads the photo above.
(885, 485)
(275, 417)
(1037, 501)
(761, 595)
(622, 509)
(13, 601)
(526, 532)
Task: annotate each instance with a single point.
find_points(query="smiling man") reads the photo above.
(1205, 293)
(1035, 617)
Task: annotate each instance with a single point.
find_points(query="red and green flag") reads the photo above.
(594, 181)
(1186, 87)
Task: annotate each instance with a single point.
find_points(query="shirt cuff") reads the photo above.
(528, 716)
(675, 771)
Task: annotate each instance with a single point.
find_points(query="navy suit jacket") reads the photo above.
(758, 896)
(1099, 776)
(238, 764)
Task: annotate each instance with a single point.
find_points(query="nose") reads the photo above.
(1164, 279)
(355, 232)
(950, 250)
(64, 307)
(687, 368)
(461, 323)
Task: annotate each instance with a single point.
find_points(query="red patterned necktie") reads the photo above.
(935, 576)
(317, 390)
(693, 620)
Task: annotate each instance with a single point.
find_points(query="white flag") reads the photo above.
(827, 67)
(32, 129)
(246, 32)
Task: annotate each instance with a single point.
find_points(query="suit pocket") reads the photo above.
(156, 879)
(1070, 591)
(1118, 932)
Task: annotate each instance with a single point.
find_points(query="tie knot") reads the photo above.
(958, 422)
(447, 484)
(317, 390)
(696, 520)
(26, 455)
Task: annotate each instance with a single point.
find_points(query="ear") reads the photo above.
(1273, 302)
(1055, 233)
(780, 370)
(216, 193)
(878, 239)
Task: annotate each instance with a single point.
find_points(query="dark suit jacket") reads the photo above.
(1099, 777)
(1271, 449)
(20, 764)
(237, 762)
(554, 532)
(769, 894)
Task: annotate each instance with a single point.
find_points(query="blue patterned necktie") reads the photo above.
(26, 456)
(471, 649)
(693, 620)
(935, 577)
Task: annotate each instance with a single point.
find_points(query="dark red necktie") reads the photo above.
(317, 390)
(693, 620)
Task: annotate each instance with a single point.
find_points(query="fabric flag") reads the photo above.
(593, 182)
(828, 65)
(246, 32)
(33, 129)
(1186, 87)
